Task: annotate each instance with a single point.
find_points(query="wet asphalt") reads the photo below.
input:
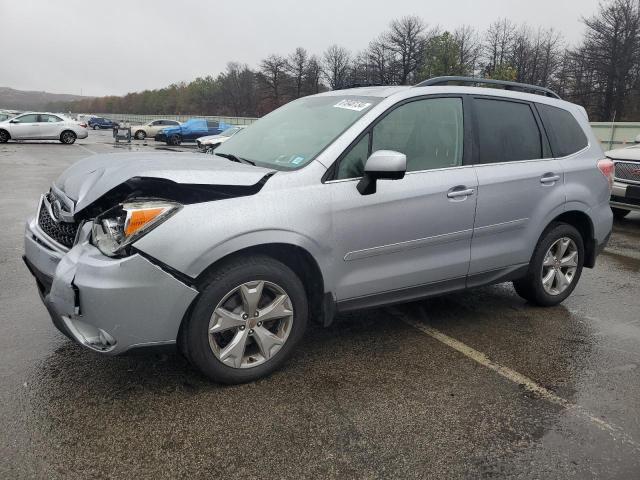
(369, 397)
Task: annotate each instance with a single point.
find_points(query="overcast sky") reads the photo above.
(115, 47)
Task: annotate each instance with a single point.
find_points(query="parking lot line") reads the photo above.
(87, 149)
(616, 432)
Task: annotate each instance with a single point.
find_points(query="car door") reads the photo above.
(25, 126)
(154, 127)
(520, 187)
(50, 126)
(413, 236)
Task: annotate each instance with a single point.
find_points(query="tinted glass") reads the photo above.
(429, 132)
(565, 134)
(170, 122)
(31, 118)
(352, 164)
(211, 124)
(49, 119)
(507, 131)
(293, 135)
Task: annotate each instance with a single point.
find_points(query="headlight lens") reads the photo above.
(119, 227)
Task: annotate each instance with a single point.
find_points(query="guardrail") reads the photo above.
(616, 134)
(134, 118)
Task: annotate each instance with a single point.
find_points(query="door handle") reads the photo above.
(460, 193)
(549, 178)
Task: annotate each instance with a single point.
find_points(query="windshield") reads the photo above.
(229, 132)
(293, 135)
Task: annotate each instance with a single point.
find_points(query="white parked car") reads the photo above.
(209, 143)
(150, 129)
(42, 126)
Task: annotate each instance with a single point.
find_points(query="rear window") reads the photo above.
(565, 134)
(507, 131)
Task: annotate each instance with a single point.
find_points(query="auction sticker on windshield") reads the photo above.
(352, 105)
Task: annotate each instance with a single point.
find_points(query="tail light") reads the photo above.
(607, 167)
(83, 125)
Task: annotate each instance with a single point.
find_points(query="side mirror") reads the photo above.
(382, 165)
(14, 121)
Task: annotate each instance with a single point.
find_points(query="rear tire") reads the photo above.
(68, 137)
(95, 127)
(206, 351)
(619, 213)
(532, 287)
(4, 136)
(141, 135)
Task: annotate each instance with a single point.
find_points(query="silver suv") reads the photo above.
(339, 201)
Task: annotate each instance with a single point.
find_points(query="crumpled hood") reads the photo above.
(89, 179)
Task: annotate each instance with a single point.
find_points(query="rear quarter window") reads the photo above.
(564, 132)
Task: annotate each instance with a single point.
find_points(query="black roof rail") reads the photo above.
(524, 87)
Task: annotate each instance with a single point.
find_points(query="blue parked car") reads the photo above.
(190, 131)
(99, 122)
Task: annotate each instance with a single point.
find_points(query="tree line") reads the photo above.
(601, 72)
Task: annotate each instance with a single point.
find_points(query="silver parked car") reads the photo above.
(209, 143)
(151, 128)
(42, 126)
(625, 196)
(339, 201)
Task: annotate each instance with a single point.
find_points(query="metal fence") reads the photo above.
(134, 118)
(616, 135)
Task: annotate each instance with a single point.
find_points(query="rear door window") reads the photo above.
(565, 134)
(507, 131)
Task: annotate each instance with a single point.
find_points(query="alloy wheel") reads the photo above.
(68, 137)
(559, 266)
(250, 324)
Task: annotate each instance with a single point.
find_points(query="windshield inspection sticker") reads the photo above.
(297, 160)
(352, 105)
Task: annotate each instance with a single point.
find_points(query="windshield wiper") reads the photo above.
(233, 158)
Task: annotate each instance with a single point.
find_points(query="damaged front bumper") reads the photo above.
(109, 305)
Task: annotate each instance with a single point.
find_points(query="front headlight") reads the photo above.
(116, 229)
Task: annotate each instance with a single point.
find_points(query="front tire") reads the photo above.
(4, 136)
(619, 213)
(247, 320)
(174, 140)
(68, 137)
(140, 135)
(555, 267)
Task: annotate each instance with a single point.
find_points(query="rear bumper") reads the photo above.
(107, 305)
(82, 134)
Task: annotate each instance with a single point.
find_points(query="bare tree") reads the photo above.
(469, 49)
(297, 66)
(406, 38)
(611, 49)
(498, 44)
(273, 75)
(335, 66)
(381, 62)
(313, 74)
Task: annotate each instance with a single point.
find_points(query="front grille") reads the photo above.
(628, 171)
(62, 232)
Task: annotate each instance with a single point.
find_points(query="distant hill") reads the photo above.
(26, 100)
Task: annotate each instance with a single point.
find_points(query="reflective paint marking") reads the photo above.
(616, 432)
